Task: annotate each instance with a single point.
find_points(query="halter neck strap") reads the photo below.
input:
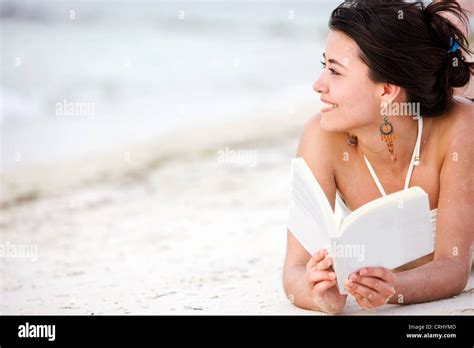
(415, 160)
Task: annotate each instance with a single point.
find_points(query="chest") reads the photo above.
(358, 187)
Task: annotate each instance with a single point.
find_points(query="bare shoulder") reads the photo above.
(319, 149)
(317, 146)
(462, 114)
(457, 126)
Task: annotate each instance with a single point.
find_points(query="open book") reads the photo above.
(386, 232)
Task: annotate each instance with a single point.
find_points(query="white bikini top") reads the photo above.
(342, 210)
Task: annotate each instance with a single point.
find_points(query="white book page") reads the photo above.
(310, 216)
(387, 235)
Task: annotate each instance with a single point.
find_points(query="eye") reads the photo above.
(333, 72)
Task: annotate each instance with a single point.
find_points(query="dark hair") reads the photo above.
(408, 44)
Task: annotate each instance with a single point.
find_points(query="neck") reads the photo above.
(376, 150)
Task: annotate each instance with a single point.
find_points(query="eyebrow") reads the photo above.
(333, 61)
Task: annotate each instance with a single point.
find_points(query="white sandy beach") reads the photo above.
(190, 235)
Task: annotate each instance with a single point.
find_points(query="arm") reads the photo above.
(435, 280)
(448, 273)
(312, 285)
(307, 280)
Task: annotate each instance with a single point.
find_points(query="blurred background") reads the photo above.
(85, 77)
(133, 70)
(145, 153)
(137, 136)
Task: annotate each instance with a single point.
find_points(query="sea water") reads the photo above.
(83, 77)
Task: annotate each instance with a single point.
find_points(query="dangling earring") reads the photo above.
(352, 140)
(386, 134)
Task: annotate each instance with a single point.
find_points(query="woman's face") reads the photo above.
(344, 83)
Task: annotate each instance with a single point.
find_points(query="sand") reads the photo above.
(194, 234)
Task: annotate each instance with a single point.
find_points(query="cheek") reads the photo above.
(359, 105)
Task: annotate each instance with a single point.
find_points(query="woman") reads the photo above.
(379, 55)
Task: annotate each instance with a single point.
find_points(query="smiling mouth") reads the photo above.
(328, 107)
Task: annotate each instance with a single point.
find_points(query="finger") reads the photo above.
(373, 299)
(372, 296)
(324, 264)
(366, 304)
(321, 287)
(318, 256)
(362, 301)
(352, 292)
(376, 284)
(318, 276)
(378, 272)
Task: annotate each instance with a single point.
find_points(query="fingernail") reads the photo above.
(363, 271)
(353, 277)
(332, 274)
(350, 284)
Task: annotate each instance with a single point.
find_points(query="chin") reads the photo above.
(329, 123)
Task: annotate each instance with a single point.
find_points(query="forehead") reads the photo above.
(341, 47)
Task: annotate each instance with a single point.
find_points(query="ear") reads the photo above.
(388, 92)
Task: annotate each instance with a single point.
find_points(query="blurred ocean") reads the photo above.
(83, 77)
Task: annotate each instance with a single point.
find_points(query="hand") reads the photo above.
(372, 287)
(319, 274)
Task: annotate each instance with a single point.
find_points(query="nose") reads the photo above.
(319, 86)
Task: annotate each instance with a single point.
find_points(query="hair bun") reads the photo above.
(458, 70)
(446, 21)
